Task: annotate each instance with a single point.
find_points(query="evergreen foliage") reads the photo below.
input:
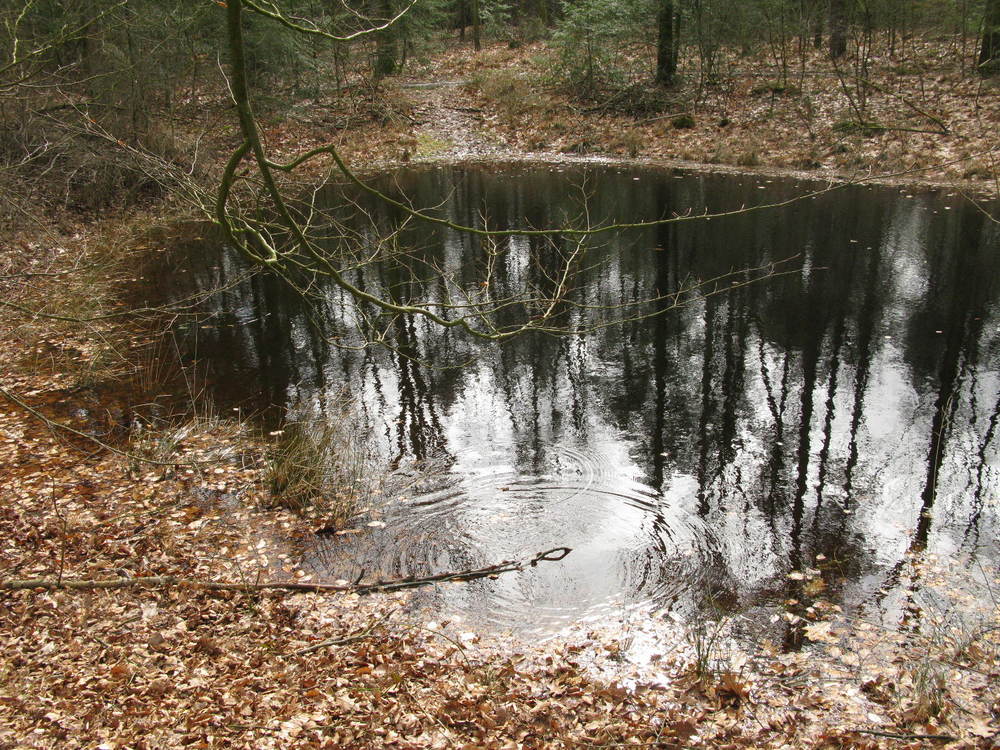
(599, 43)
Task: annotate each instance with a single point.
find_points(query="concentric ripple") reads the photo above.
(631, 548)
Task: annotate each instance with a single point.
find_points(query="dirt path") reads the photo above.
(448, 124)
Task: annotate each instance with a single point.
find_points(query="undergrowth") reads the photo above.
(321, 468)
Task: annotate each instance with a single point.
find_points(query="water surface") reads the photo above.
(841, 416)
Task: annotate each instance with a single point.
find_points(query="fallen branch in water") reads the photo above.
(507, 566)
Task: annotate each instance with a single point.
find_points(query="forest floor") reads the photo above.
(925, 118)
(105, 478)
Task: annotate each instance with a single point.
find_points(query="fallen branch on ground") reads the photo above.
(149, 582)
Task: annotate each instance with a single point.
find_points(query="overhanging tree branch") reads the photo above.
(475, 314)
(276, 15)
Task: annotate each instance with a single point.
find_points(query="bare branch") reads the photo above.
(397, 584)
(276, 15)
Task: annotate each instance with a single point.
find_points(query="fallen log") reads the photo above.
(155, 582)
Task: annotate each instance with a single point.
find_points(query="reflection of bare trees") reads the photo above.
(419, 432)
(962, 313)
(977, 480)
(707, 406)
(765, 396)
(865, 333)
(826, 357)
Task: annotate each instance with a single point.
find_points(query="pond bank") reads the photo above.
(503, 102)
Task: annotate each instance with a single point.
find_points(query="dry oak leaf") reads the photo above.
(820, 632)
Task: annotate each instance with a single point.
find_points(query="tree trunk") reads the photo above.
(386, 51)
(666, 57)
(838, 28)
(817, 12)
(989, 51)
(476, 43)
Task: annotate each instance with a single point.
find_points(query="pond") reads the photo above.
(800, 435)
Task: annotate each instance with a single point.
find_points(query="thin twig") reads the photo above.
(359, 635)
(897, 736)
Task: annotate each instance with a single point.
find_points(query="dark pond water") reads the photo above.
(839, 417)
